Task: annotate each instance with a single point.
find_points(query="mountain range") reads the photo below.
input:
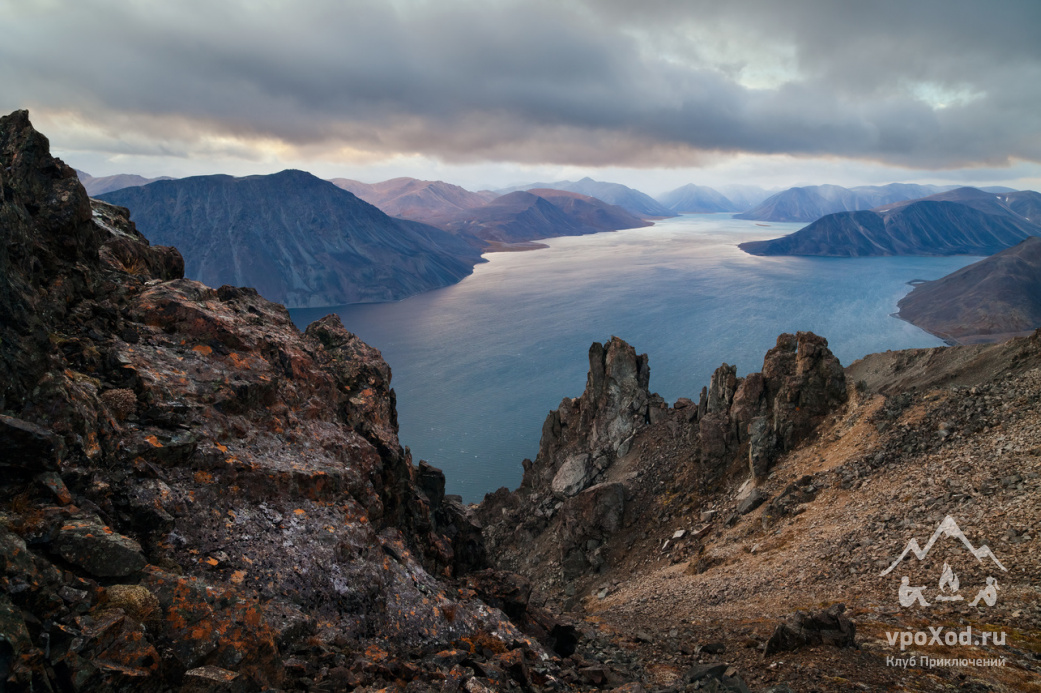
(633, 201)
(964, 221)
(103, 184)
(697, 199)
(529, 215)
(813, 202)
(414, 199)
(296, 238)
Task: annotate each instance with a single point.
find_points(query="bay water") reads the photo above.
(478, 365)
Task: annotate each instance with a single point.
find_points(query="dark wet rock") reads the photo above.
(704, 672)
(827, 627)
(794, 495)
(592, 516)
(209, 679)
(762, 442)
(53, 482)
(12, 627)
(507, 591)
(629, 688)
(87, 542)
(715, 677)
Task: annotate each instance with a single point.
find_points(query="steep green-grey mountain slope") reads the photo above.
(297, 239)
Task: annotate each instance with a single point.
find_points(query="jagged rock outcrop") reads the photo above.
(767, 413)
(565, 495)
(192, 491)
(599, 452)
(583, 437)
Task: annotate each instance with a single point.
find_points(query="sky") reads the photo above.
(485, 94)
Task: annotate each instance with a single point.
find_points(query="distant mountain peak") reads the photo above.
(296, 238)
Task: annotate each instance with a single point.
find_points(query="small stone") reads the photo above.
(751, 502)
(678, 534)
(53, 482)
(73, 596)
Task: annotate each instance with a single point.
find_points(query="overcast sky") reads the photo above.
(654, 94)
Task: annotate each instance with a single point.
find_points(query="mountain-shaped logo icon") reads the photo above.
(947, 528)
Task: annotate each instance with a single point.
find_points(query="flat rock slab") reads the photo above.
(88, 543)
(27, 446)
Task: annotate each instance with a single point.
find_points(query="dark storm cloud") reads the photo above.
(599, 82)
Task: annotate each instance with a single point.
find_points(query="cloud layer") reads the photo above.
(929, 84)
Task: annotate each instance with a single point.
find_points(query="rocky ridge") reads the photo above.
(777, 579)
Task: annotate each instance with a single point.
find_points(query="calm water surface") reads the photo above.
(478, 365)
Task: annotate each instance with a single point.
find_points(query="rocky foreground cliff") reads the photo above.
(194, 495)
